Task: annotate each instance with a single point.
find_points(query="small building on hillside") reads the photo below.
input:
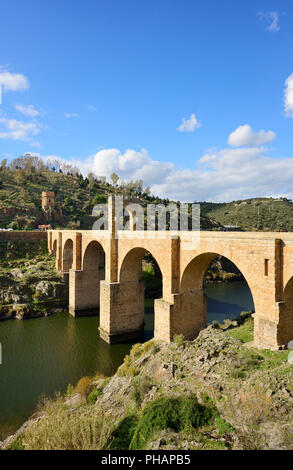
(44, 228)
(232, 228)
(48, 200)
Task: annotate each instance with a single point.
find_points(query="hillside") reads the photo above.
(265, 214)
(24, 179)
(216, 392)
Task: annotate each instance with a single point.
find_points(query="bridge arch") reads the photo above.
(131, 266)
(192, 294)
(67, 255)
(132, 281)
(94, 256)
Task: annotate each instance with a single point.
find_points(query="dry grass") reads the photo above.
(84, 386)
(66, 429)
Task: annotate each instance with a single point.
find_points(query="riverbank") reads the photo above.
(29, 284)
(216, 392)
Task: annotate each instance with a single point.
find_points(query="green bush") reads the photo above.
(140, 386)
(93, 395)
(178, 414)
(122, 436)
(179, 340)
(99, 199)
(16, 445)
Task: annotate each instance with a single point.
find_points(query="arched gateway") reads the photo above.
(105, 276)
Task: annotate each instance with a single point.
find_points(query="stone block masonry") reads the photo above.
(105, 274)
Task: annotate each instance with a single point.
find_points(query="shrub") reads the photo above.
(69, 391)
(178, 414)
(126, 369)
(136, 350)
(122, 436)
(179, 340)
(156, 348)
(99, 199)
(146, 346)
(16, 445)
(93, 395)
(84, 386)
(244, 316)
(140, 386)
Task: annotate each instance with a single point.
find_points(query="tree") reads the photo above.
(91, 180)
(3, 164)
(114, 179)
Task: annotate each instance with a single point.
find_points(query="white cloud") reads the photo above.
(272, 20)
(189, 125)
(244, 135)
(18, 130)
(289, 96)
(13, 81)
(230, 174)
(222, 175)
(71, 115)
(27, 109)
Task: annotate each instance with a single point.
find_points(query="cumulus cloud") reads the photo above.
(189, 125)
(221, 175)
(13, 81)
(71, 115)
(27, 109)
(18, 130)
(271, 18)
(230, 174)
(131, 164)
(289, 96)
(244, 135)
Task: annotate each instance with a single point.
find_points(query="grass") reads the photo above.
(61, 429)
(243, 332)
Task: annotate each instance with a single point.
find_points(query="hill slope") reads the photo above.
(210, 393)
(265, 214)
(24, 179)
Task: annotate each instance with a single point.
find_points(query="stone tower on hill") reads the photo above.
(48, 200)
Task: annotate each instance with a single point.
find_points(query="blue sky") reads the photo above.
(107, 84)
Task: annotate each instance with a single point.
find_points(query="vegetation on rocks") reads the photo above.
(29, 283)
(216, 392)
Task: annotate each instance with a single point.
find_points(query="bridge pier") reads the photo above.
(122, 311)
(185, 315)
(84, 292)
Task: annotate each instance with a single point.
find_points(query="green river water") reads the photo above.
(42, 356)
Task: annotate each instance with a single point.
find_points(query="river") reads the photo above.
(42, 356)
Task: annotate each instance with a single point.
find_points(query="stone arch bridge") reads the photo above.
(104, 271)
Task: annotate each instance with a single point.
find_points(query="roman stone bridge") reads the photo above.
(105, 273)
